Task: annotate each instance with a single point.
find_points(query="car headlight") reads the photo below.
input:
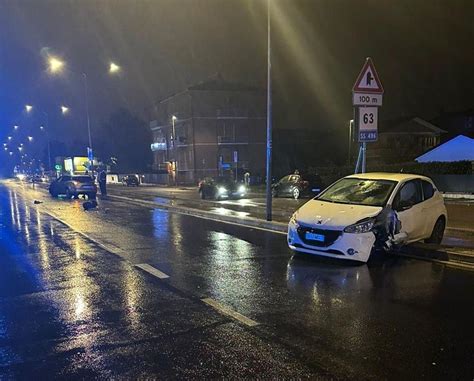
(363, 226)
(242, 189)
(221, 190)
(293, 219)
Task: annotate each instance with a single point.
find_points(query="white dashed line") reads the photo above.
(152, 270)
(225, 310)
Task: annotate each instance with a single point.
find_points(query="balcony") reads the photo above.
(159, 146)
(221, 140)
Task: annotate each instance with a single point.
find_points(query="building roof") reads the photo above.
(457, 149)
(394, 176)
(410, 125)
(215, 83)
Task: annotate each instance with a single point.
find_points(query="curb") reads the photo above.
(249, 222)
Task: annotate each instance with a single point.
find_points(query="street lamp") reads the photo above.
(9, 138)
(55, 64)
(64, 110)
(30, 138)
(28, 108)
(15, 127)
(114, 68)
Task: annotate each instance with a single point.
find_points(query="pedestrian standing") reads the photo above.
(103, 182)
(247, 178)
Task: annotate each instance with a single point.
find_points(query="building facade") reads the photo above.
(210, 129)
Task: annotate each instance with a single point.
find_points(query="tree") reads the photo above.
(125, 138)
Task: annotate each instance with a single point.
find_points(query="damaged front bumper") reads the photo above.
(330, 243)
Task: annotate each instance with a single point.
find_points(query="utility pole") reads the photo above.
(269, 120)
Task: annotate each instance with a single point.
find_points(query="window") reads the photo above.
(428, 190)
(409, 195)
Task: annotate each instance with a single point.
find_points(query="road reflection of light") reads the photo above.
(228, 212)
(80, 305)
(160, 223)
(77, 247)
(133, 296)
(225, 276)
(12, 209)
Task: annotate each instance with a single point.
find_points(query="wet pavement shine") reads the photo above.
(129, 291)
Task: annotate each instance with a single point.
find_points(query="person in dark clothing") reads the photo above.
(103, 182)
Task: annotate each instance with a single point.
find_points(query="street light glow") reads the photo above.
(28, 108)
(174, 118)
(30, 138)
(15, 127)
(64, 110)
(41, 128)
(55, 64)
(114, 68)
(9, 138)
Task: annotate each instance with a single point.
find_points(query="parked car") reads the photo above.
(73, 186)
(347, 219)
(297, 186)
(218, 188)
(130, 181)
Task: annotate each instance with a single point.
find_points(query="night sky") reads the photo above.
(423, 51)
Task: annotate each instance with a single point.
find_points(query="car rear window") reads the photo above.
(82, 179)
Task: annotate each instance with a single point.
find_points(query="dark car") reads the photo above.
(73, 186)
(297, 186)
(130, 181)
(219, 188)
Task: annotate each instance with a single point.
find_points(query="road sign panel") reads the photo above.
(368, 120)
(368, 81)
(58, 167)
(362, 99)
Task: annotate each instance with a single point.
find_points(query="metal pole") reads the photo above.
(364, 149)
(349, 150)
(173, 118)
(47, 137)
(86, 95)
(269, 120)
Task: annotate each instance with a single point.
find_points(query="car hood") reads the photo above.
(332, 215)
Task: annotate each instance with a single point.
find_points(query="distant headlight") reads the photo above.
(361, 227)
(221, 190)
(242, 189)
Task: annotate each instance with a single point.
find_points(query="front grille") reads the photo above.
(330, 236)
(331, 251)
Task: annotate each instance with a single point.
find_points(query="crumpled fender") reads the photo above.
(387, 229)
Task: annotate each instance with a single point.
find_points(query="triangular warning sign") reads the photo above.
(368, 81)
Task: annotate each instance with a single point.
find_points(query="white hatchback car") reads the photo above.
(340, 222)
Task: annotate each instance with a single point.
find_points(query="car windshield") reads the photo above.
(224, 181)
(82, 179)
(359, 191)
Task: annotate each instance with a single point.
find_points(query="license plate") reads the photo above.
(314, 237)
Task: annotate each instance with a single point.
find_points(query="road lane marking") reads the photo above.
(152, 270)
(225, 310)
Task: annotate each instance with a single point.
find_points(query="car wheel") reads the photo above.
(296, 193)
(438, 232)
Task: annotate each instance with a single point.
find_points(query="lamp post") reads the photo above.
(349, 150)
(173, 120)
(269, 120)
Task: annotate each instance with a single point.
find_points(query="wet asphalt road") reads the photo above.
(74, 305)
